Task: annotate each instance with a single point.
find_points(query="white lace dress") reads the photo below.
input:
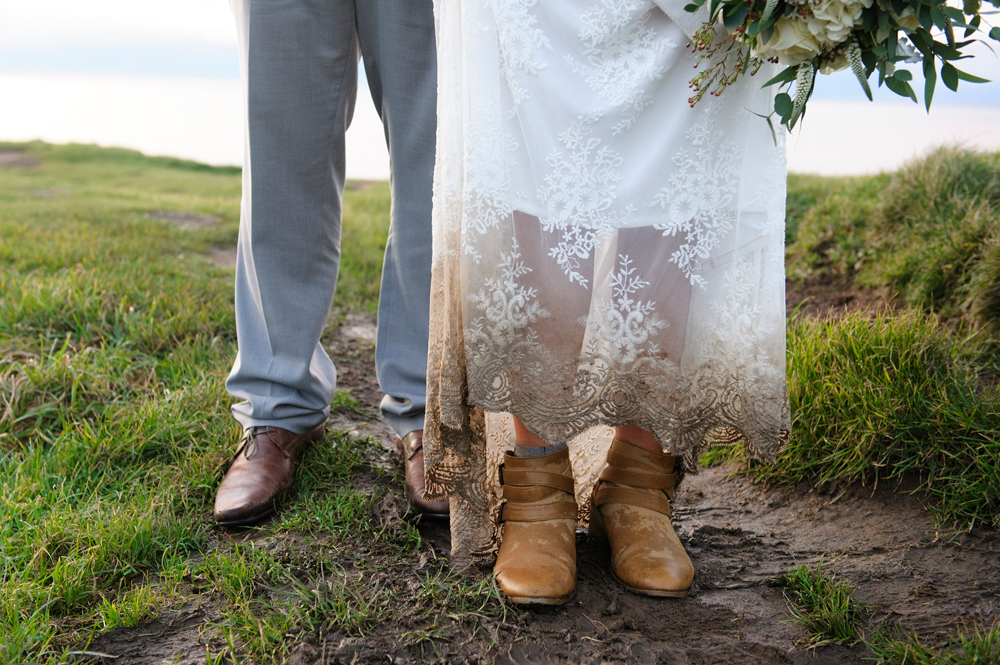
(604, 254)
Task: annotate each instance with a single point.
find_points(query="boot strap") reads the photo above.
(528, 494)
(605, 495)
(628, 456)
(517, 512)
(646, 481)
(526, 478)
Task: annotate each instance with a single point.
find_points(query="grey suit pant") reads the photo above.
(299, 65)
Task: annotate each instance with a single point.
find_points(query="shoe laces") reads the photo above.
(249, 442)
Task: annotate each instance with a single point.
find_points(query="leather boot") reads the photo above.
(536, 564)
(630, 510)
(411, 447)
(262, 471)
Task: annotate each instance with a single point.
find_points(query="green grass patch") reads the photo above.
(973, 646)
(929, 232)
(824, 607)
(887, 398)
(116, 334)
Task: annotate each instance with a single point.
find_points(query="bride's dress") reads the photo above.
(604, 254)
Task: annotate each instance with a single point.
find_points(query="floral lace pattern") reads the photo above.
(518, 37)
(701, 194)
(622, 322)
(578, 192)
(603, 254)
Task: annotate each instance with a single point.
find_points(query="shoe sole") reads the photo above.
(654, 593)
(540, 600)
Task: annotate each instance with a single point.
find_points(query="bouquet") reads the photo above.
(824, 36)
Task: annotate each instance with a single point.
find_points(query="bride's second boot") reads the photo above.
(630, 510)
(536, 564)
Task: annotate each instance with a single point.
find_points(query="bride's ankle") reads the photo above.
(536, 451)
(638, 437)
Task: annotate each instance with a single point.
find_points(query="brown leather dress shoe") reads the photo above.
(412, 448)
(262, 471)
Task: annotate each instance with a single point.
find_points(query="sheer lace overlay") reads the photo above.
(603, 253)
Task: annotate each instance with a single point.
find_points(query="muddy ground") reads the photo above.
(741, 535)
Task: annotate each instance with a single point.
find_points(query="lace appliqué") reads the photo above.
(621, 55)
(518, 38)
(701, 197)
(500, 339)
(578, 195)
(622, 322)
(488, 159)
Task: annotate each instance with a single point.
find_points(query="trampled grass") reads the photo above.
(116, 334)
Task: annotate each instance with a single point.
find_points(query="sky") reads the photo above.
(191, 38)
(56, 52)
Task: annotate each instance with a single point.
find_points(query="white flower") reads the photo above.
(792, 43)
(833, 20)
(908, 20)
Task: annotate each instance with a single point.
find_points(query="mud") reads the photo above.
(16, 159)
(835, 299)
(741, 536)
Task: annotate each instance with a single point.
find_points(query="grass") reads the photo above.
(972, 646)
(825, 607)
(929, 232)
(888, 398)
(116, 334)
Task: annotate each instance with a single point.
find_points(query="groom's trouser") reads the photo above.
(299, 65)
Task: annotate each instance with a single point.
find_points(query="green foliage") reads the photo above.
(968, 647)
(882, 398)
(825, 608)
(929, 232)
(880, 38)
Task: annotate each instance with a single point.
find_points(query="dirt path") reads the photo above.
(740, 535)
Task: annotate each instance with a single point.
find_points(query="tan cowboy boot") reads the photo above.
(536, 564)
(630, 509)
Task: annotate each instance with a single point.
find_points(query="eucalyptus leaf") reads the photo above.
(965, 76)
(925, 18)
(995, 34)
(900, 86)
(786, 76)
(734, 18)
(949, 75)
(783, 104)
(930, 79)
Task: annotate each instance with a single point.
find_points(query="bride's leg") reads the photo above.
(638, 437)
(536, 564)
